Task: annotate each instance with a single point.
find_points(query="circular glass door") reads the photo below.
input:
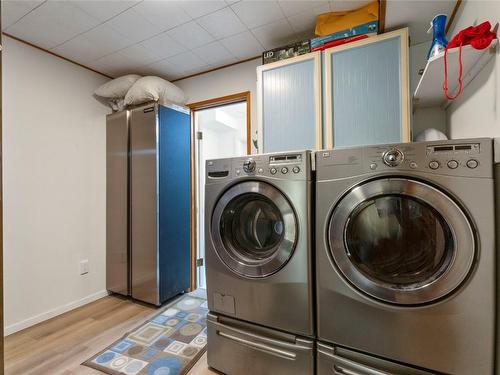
(254, 229)
(401, 241)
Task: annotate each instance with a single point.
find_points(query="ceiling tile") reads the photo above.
(162, 68)
(114, 64)
(139, 55)
(93, 44)
(104, 9)
(200, 8)
(275, 34)
(164, 14)
(343, 5)
(291, 8)
(305, 21)
(190, 35)
(416, 17)
(215, 54)
(13, 10)
(222, 23)
(257, 13)
(52, 23)
(163, 46)
(243, 46)
(187, 61)
(133, 25)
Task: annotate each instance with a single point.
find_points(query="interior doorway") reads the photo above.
(221, 130)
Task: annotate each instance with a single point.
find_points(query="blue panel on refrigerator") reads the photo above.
(174, 201)
(289, 107)
(366, 94)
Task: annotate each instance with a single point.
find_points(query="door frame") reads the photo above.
(197, 106)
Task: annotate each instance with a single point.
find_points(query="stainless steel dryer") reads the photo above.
(406, 257)
(258, 263)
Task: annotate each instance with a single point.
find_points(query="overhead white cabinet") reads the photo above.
(363, 96)
(366, 91)
(290, 104)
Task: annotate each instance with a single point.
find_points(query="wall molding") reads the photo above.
(54, 312)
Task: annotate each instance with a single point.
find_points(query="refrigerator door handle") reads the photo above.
(260, 346)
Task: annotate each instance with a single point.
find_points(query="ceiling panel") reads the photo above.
(163, 46)
(275, 34)
(164, 14)
(343, 5)
(257, 13)
(214, 54)
(222, 23)
(114, 64)
(13, 10)
(104, 9)
(197, 9)
(133, 26)
(139, 55)
(163, 69)
(292, 8)
(92, 45)
(183, 37)
(190, 35)
(52, 23)
(305, 21)
(187, 61)
(417, 16)
(243, 46)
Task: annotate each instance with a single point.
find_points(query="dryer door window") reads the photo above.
(401, 241)
(254, 229)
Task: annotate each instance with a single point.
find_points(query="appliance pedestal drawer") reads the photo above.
(239, 348)
(333, 360)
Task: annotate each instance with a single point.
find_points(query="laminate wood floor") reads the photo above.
(59, 345)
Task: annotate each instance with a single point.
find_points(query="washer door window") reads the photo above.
(401, 241)
(254, 229)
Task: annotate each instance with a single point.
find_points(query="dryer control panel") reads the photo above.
(467, 157)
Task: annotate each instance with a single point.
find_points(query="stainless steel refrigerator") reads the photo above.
(148, 202)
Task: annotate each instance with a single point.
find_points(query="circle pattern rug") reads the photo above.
(168, 344)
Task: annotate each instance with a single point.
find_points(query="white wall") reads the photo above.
(476, 112)
(231, 80)
(54, 185)
(423, 118)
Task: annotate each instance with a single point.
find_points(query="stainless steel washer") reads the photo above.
(259, 264)
(405, 255)
(258, 242)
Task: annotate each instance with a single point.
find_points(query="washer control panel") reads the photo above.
(289, 166)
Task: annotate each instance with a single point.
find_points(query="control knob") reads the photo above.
(393, 157)
(249, 165)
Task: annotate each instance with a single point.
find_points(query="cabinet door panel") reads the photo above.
(367, 103)
(291, 105)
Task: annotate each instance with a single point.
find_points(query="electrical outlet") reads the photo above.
(84, 267)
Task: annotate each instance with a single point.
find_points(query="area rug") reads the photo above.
(170, 343)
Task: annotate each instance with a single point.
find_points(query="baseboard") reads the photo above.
(8, 330)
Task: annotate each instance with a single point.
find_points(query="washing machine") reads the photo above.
(405, 258)
(259, 263)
